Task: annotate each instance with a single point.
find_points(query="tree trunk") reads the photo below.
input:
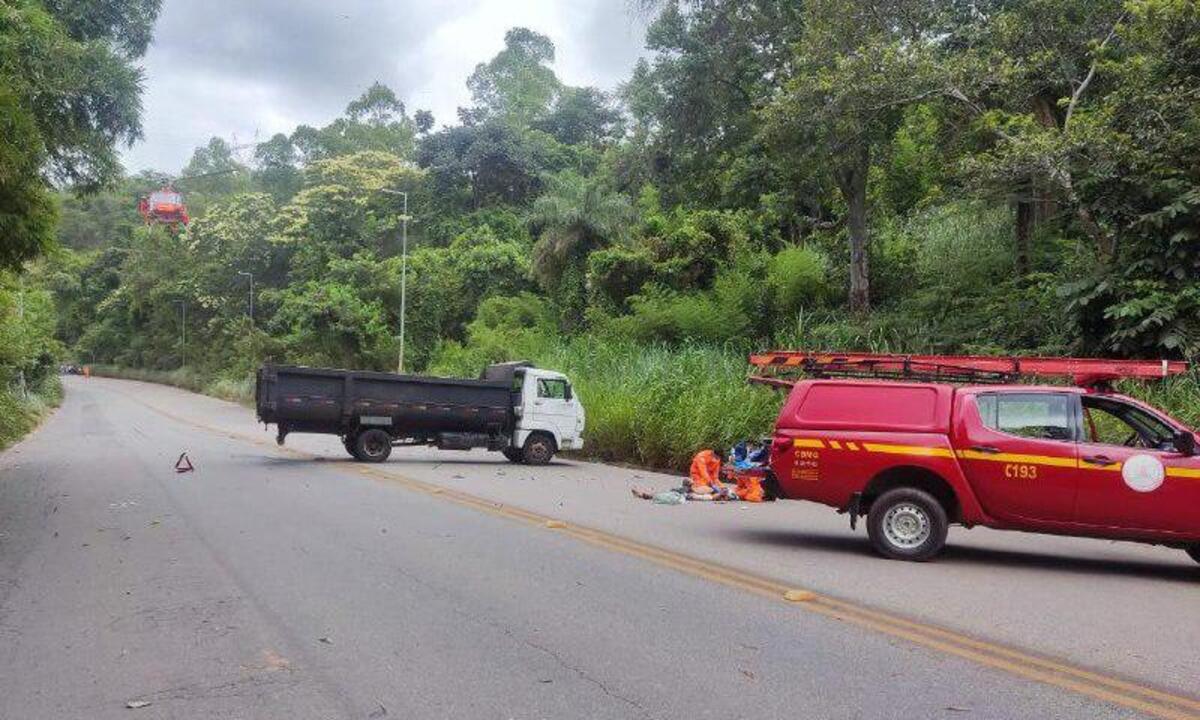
(1026, 218)
(852, 181)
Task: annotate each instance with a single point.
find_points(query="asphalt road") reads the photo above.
(276, 584)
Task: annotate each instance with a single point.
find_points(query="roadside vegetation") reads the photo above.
(996, 177)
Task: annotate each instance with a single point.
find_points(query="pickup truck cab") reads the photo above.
(916, 457)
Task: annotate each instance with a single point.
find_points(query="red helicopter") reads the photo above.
(164, 206)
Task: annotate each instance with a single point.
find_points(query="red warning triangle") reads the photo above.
(184, 463)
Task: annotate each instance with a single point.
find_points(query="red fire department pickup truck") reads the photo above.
(916, 457)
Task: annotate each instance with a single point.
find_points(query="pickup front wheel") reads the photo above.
(373, 445)
(907, 524)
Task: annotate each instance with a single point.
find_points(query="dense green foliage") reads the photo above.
(70, 93)
(1005, 176)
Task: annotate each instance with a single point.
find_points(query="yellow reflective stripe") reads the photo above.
(852, 446)
(1184, 472)
(807, 443)
(835, 445)
(908, 450)
(1020, 458)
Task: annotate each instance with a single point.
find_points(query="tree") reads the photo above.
(693, 102)
(376, 120)
(517, 85)
(576, 215)
(858, 65)
(581, 116)
(278, 170)
(424, 121)
(1033, 66)
(213, 169)
(70, 93)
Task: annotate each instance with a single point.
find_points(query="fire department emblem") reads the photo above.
(1143, 473)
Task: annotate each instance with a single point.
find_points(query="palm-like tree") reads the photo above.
(576, 215)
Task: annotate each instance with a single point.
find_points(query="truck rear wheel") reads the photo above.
(1194, 551)
(348, 443)
(907, 524)
(538, 450)
(373, 445)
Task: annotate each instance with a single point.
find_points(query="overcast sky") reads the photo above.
(234, 68)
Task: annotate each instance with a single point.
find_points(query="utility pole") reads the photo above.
(403, 271)
(21, 322)
(251, 276)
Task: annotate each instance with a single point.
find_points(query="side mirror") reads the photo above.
(1185, 443)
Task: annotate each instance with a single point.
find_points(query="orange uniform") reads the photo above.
(706, 473)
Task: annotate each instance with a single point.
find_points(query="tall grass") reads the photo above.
(657, 406)
(233, 389)
(1179, 396)
(19, 415)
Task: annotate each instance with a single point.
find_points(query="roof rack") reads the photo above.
(781, 368)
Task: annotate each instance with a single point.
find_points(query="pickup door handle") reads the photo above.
(986, 449)
(1098, 460)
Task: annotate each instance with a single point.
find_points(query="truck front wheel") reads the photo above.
(907, 524)
(1194, 551)
(538, 450)
(373, 445)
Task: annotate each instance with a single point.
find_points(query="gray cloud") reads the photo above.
(257, 67)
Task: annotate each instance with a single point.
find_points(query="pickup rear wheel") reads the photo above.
(513, 454)
(1194, 551)
(538, 450)
(907, 524)
(373, 445)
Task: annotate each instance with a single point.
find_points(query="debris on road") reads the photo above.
(137, 704)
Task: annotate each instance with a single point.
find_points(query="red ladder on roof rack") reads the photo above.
(775, 367)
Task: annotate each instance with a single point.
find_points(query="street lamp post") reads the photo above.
(251, 276)
(403, 271)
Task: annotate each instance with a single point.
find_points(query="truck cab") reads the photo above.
(546, 404)
(916, 457)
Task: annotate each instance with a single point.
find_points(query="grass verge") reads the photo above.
(234, 390)
(20, 415)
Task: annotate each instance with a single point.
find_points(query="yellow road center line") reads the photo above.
(1124, 693)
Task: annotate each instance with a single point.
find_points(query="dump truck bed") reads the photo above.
(303, 399)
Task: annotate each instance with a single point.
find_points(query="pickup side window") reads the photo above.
(1042, 416)
(1111, 422)
(553, 389)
